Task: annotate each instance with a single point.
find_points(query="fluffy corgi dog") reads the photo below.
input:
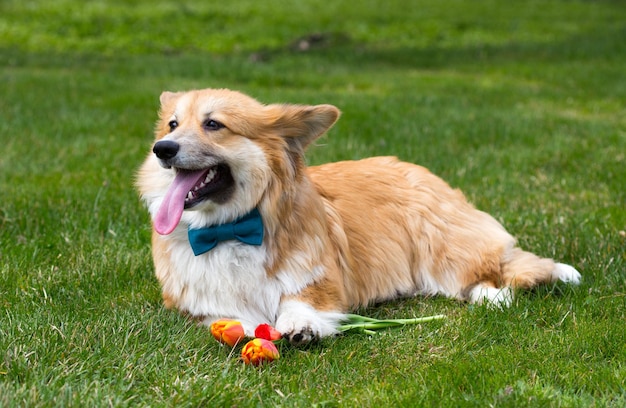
(243, 229)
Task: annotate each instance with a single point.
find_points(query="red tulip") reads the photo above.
(227, 331)
(259, 351)
(267, 332)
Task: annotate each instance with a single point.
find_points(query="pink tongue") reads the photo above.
(168, 216)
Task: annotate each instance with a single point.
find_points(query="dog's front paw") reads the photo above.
(302, 336)
(298, 328)
(301, 324)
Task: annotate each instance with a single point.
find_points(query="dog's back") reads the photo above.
(402, 230)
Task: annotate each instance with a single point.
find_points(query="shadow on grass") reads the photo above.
(340, 47)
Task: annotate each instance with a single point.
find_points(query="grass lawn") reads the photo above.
(522, 105)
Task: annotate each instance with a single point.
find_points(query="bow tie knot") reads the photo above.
(247, 229)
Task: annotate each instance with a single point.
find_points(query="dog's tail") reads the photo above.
(524, 270)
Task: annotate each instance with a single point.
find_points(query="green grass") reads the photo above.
(519, 104)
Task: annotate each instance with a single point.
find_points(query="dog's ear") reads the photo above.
(301, 125)
(168, 97)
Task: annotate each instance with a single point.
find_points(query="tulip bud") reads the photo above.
(227, 331)
(259, 351)
(267, 332)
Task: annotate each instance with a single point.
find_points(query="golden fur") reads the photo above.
(337, 236)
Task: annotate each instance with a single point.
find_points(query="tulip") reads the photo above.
(227, 331)
(259, 351)
(267, 332)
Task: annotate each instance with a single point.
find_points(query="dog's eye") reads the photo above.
(211, 124)
(173, 125)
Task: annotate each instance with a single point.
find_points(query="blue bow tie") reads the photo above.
(247, 229)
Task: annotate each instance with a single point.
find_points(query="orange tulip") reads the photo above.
(259, 351)
(227, 331)
(267, 332)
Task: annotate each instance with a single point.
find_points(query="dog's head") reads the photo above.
(218, 152)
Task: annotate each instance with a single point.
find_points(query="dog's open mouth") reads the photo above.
(214, 181)
(189, 188)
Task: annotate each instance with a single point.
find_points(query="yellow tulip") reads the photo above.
(259, 351)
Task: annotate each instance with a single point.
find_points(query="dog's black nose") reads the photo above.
(165, 149)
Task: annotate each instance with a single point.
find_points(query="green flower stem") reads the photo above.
(368, 324)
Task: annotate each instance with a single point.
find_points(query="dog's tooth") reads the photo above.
(209, 176)
(190, 196)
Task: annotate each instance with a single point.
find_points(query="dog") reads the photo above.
(244, 229)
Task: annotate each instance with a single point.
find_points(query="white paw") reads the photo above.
(493, 297)
(300, 323)
(566, 273)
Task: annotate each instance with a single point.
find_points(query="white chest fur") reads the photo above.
(228, 281)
